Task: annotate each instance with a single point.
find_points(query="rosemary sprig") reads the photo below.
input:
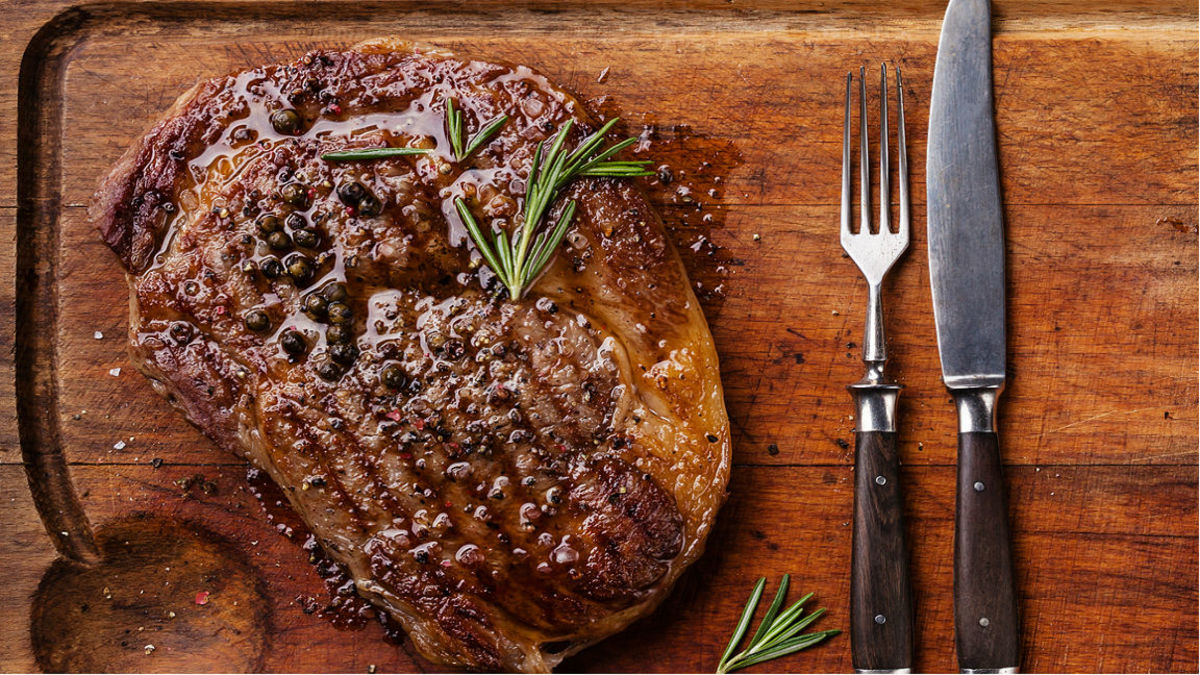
(455, 128)
(778, 633)
(518, 260)
(371, 153)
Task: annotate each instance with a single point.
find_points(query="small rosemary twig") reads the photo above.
(778, 633)
(518, 260)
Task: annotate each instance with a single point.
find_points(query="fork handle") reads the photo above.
(881, 614)
(986, 628)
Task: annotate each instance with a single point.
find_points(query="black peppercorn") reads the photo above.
(339, 313)
(392, 376)
(329, 371)
(279, 241)
(351, 193)
(335, 292)
(268, 223)
(295, 194)
(314, 306)
(343, 353)
(370, 206)
(454, 349)
(271, 268)
(182, 332)
(258, 321)
(296, 221)
(335, 334)
(306, 238)
(300, 269)
(293, 342)
(286, 121)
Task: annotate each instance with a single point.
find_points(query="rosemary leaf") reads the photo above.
(372, 153)
(454, 128)
(744, 622)
(480, 242)
(483, 136)
(773, 610)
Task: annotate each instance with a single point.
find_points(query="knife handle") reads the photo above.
(881, 633)
(985, 605)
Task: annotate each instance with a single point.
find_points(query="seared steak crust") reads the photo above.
(499, 476)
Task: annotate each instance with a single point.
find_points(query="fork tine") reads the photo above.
(846, 162)
(864, 158)
(885, 169)
(905, 224)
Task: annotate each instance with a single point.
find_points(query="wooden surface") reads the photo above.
(1097, 122)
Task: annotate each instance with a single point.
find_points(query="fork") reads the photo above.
(881, 614)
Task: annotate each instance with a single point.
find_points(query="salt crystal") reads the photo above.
(119, 445)
(98, 335)
(115, 372)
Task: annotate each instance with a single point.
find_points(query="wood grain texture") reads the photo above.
(881, 609)
(1096, 116)
(986, 622)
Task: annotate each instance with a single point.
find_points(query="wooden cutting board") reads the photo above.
(1097, 121)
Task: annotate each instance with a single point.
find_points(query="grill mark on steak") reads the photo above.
(542, 472)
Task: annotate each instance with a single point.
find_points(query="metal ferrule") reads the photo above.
(875, 404)
(976, 409)
(1009, 669)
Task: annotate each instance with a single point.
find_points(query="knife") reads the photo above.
(966, 269)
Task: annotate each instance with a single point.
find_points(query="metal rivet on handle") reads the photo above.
(881, 619)
(880, 480)
(979, 486)
(984, 622)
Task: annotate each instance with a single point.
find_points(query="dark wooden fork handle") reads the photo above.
(881, 634)
(985, 604)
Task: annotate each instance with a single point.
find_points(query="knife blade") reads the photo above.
(966, 268)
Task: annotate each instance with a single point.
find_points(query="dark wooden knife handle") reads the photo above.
(985, 604)
(881, 614)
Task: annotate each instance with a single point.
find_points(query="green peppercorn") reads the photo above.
(258, 321)
(286, 121)
(335, 292)
(300, 269)
(296, 195)
(279, 241)
(268, 223)
(296, 221)
(335, 334)
(339, 313)
(306, 238)
(293, 342)
(271, 268)
(351, 193)
(370, 206)
(329, 371)
(392, 376)
(314, 306)
(342, 353)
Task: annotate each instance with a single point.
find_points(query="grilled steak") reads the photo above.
(511, 481)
